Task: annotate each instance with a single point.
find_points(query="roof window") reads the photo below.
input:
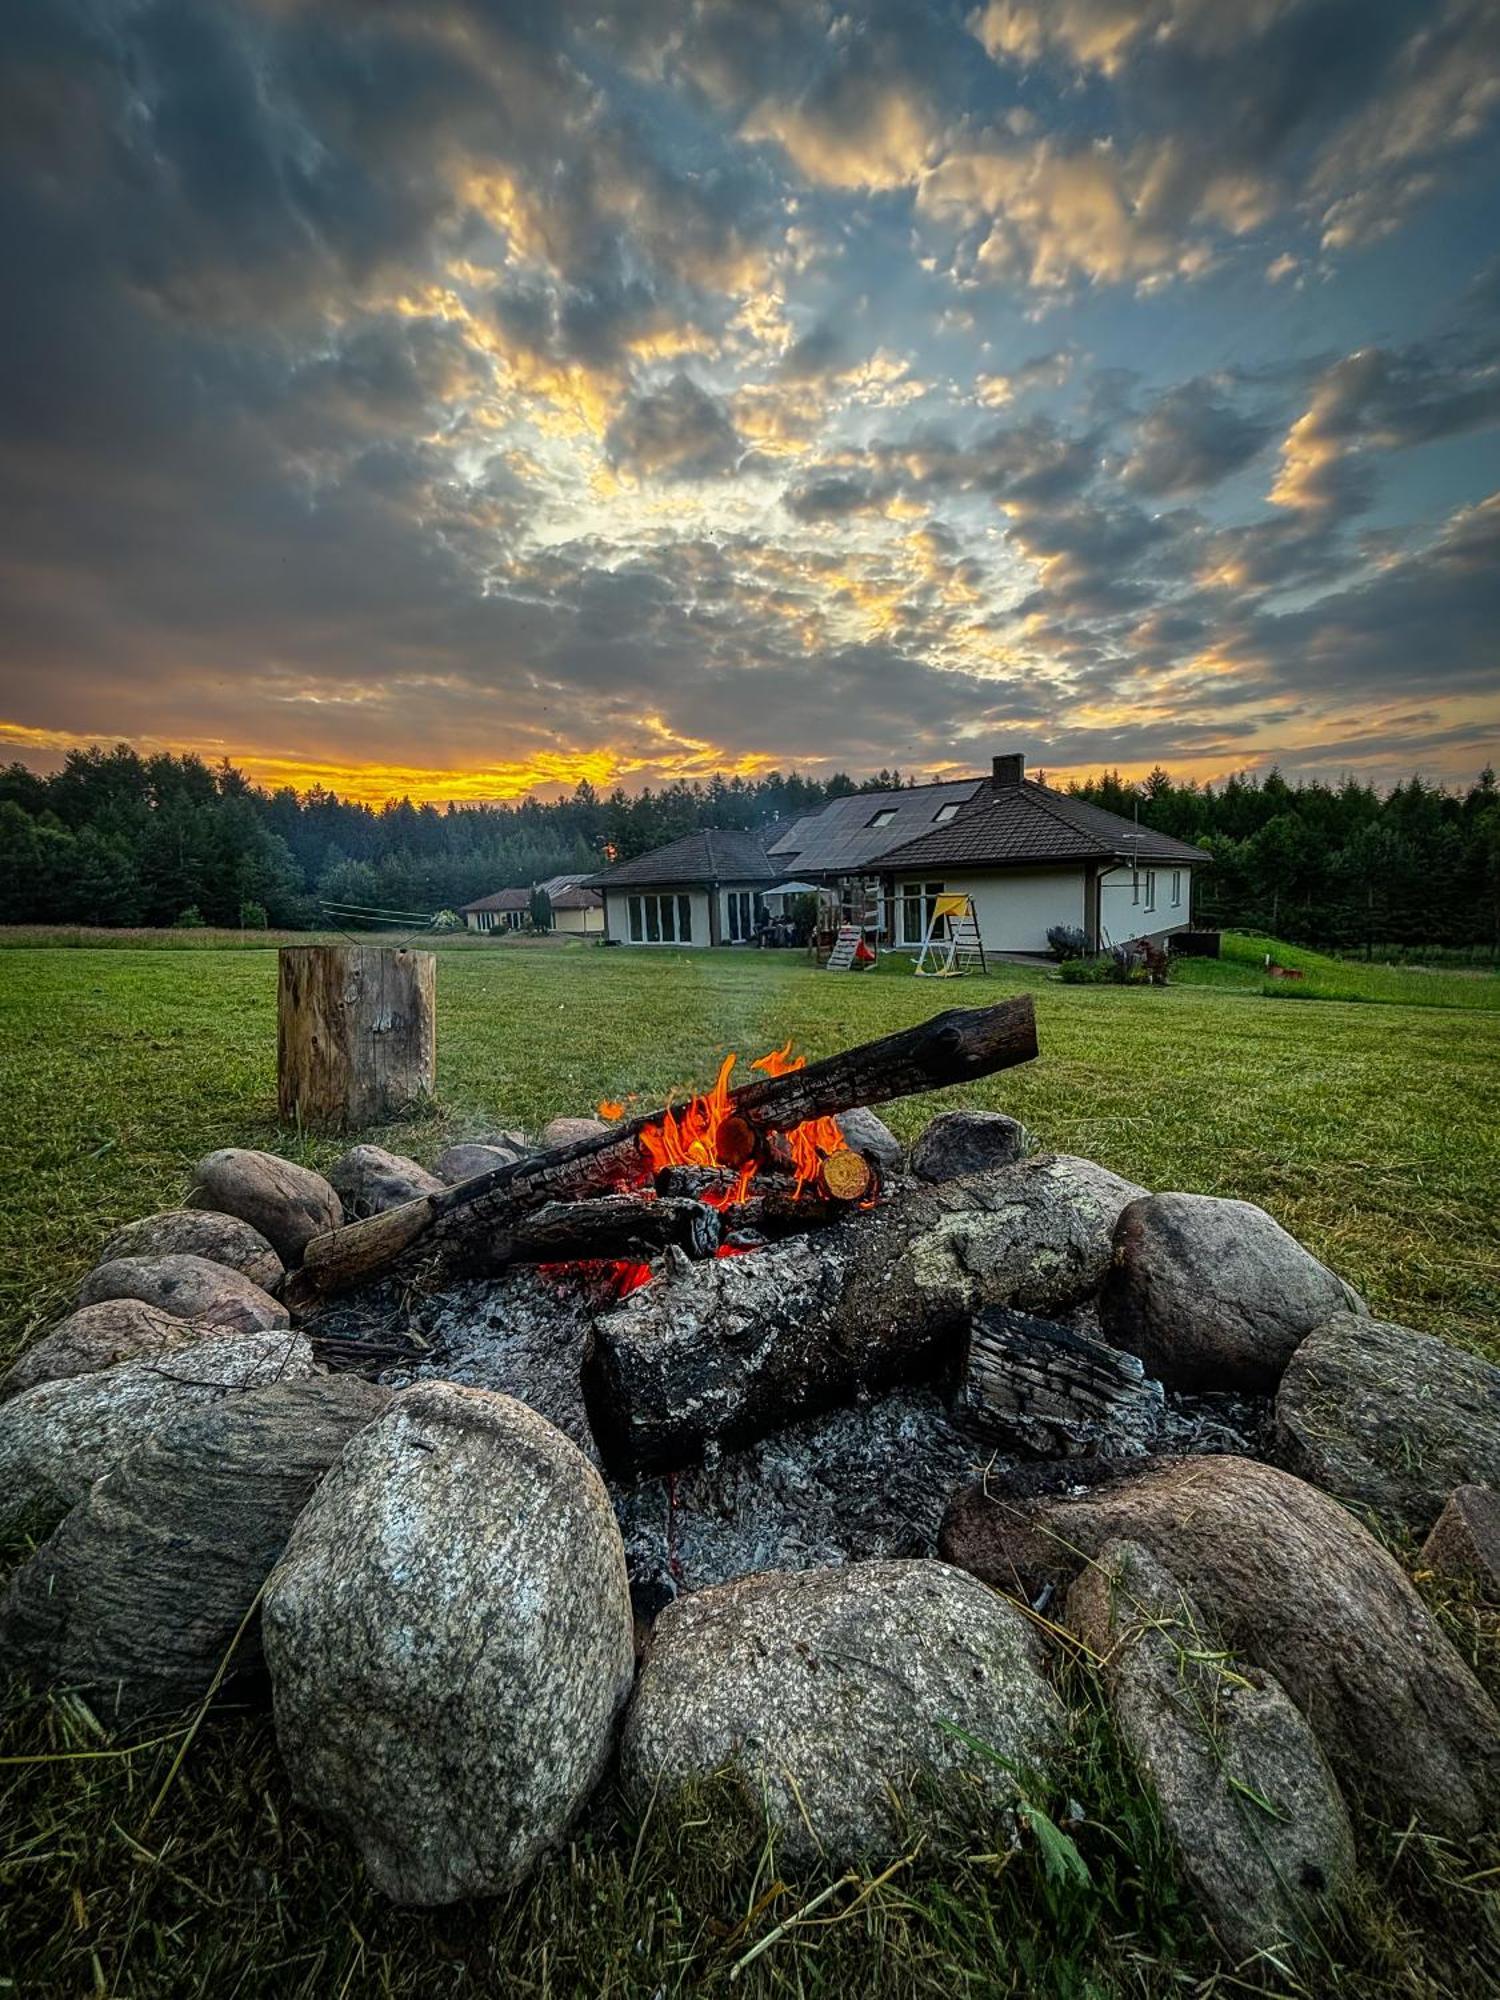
(883, 817)
(948, 811)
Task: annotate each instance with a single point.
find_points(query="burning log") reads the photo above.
(1031, 1384)
(618, 1226)
(470, 1222)
(738, 1347)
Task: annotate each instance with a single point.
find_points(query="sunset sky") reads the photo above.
(465, 399)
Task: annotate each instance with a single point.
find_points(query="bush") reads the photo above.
(447, 920)
(1084, 971)
(1066, 942)
(190, 919)
(253, 916)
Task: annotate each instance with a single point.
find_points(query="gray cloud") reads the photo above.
(677, 431)
(1189, 439)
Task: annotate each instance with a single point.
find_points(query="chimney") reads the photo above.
(1007, 771)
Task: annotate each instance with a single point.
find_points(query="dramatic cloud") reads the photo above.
(468, 397)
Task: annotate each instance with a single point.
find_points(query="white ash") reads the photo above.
(868, 1480)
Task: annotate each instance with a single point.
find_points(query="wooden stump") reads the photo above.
(356, 1033)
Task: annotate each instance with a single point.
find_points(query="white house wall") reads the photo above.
(1126, 909)
(1015, 906)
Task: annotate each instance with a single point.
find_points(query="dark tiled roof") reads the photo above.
(577, 898)
(503, 899)
(840, 839)
(1015, 824)
(715, 854)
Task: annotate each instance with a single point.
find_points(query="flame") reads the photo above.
(608, 1109)
(692, 1139)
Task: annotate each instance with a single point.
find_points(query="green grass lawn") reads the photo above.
(1370, 1130)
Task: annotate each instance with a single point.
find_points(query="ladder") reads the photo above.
(958, 948)
(846, 944)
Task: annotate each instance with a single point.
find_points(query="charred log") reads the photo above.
(620, 1225)
(1031, 1385)
(733, 1349)
(953, 1047)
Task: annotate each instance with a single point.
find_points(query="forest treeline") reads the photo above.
(120, 839)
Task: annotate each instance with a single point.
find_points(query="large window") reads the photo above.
(1150, 888)
(1176, 888)
(917, 902)
(746, 911)
(661, 919)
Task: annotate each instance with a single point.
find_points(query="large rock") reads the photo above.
(1464, 1546)
(464, 1162)
(368, 1180)
(449, 1638)
(198, 1232)
(58, 1438)
(1213, 1294)
(872, 1136)
(1389, 1419)
(830, 1693)
(97, 1337)
(560, 1132)
(1244, 1790)
(139, 1594)
(956, 1143)
(1293, 1582)
(192, 1288)
(288, 1204)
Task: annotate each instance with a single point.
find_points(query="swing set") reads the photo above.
(951, 944)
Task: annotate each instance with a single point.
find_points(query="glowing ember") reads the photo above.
(609, 1110)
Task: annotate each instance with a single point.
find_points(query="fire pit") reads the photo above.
(781, 1348)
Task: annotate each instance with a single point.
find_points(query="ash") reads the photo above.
(870, 1479)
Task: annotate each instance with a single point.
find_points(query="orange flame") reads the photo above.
(692, 1140)
(610, 1110)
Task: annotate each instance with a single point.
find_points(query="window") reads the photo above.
(661, 920)
(948, 811)
(917, 901)
(1135, 885)
(883, 817)
(746, 911)
(1176, 888)
(1150, 888)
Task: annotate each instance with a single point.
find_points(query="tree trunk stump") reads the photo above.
(356, 1033)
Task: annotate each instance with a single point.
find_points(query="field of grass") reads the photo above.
(1241, 967)
(1370, 1130)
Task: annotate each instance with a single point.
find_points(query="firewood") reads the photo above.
(732, 1349)
(847, 1176)
(1032, 1385)
(952, 1047)
(618, 1225)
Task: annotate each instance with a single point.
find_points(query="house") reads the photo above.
(576, 911)
(710, 887)
(1031, 858)
(506, 910)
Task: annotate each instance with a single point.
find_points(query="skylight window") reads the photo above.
(883, 817)
(946, 812)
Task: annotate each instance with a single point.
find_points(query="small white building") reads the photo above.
(576, 911)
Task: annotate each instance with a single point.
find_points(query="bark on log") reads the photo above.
(953, 1047)
(1032, 1385)
(356, 1034)
(620, 1225)
(741, 1346)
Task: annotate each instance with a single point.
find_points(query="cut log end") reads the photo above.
(848, 1176)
